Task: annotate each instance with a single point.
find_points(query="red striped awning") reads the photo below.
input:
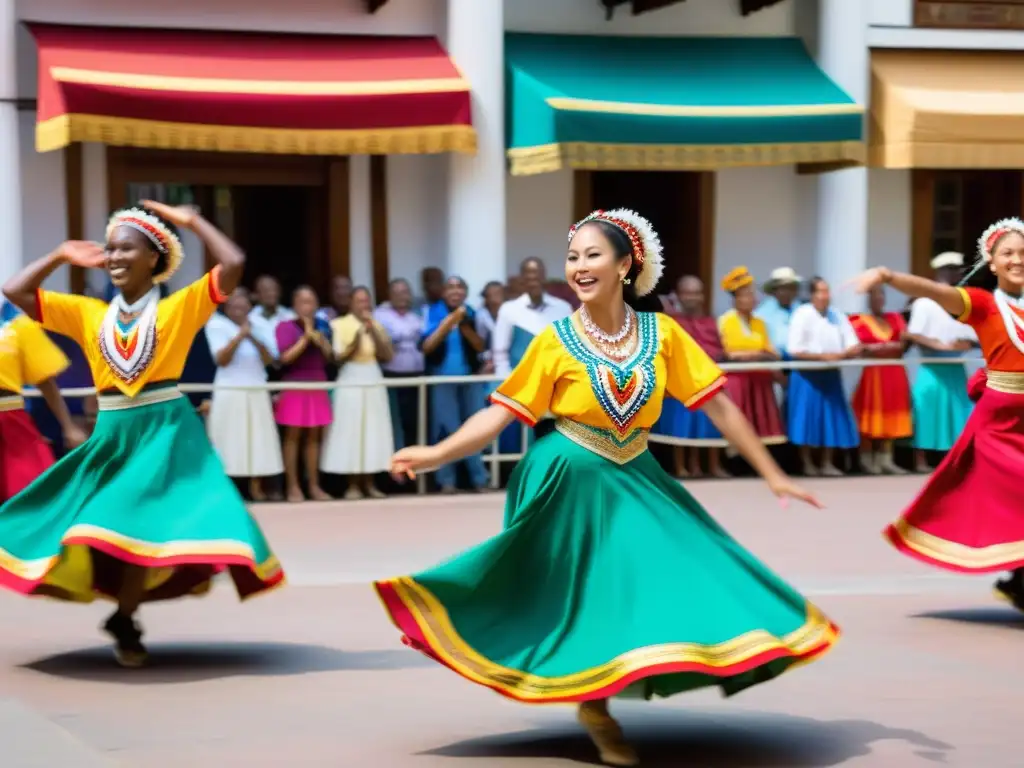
(249, 92)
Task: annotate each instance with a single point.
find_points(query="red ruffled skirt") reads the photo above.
(881, 403)
(969, 517)
(24, 454)
(754, 394)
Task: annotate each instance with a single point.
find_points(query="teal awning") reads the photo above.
(672, 103)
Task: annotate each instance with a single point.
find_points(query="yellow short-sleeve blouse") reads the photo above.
(179, 318)
(563, 374)
(27, 355)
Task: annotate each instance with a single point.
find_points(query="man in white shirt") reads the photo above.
(519, 320)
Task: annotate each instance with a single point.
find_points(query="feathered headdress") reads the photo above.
(644, 240)
(154, 230)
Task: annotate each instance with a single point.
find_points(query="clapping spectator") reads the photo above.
(359, 441)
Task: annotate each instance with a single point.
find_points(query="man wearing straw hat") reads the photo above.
(781, 290)
(939, 393)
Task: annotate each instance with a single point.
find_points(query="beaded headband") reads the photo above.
(643, 239)
(736, 279)
(153, 229)
(988, 241)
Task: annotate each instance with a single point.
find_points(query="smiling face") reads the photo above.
(130, 261)
(593, 267)
(1008, 262)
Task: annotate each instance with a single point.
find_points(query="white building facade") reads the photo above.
(467, 213)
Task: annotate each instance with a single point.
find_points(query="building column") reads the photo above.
(841, 242)
(11, 256)
(476, 183)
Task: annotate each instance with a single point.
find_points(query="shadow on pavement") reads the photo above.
(681, 739)
(996, 616)
(180, 663)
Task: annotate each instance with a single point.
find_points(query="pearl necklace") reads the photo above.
(616, 347)
(595, 332)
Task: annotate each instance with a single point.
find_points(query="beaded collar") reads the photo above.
(128, 346)
(621, 389)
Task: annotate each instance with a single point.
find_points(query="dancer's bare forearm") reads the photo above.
(21, 289)
(737, 430)
(479, 431)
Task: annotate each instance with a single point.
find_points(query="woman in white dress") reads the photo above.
(359, 441)
(241, 422)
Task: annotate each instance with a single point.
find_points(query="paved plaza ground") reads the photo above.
(313, 675)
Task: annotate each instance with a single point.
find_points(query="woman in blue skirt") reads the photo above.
(819, 413)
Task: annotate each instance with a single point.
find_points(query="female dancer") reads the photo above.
(745, 339)
(967, 517)
(569, 602)
(142, 511)
(881, 402)
(305, 350)
(28, 356)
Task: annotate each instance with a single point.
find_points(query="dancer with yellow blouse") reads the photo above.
(28, 357)
(142, 511)
(609, 579)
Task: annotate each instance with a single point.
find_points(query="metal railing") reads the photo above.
(494, 458)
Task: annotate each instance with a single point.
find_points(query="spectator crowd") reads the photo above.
(350, 431)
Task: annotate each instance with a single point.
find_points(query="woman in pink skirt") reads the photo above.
(304, 349)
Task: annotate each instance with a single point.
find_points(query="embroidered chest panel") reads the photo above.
(622, 389)
(128, 347)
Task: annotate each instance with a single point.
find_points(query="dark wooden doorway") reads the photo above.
(289, 213)
(679, 204)
(950, 210)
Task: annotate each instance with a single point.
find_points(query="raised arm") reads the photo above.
(21, 289)
(225, 252)
(946, 296)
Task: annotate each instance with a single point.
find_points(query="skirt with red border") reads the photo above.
(609, 579)
(969, 517)
(24, 453)
(145, 489)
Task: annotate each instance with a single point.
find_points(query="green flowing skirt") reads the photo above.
(146, 489)
(607, 580)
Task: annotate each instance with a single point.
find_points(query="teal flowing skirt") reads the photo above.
(941, 404)
(145, 489)
(607, 580)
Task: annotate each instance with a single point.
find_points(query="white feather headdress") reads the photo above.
(644, 240)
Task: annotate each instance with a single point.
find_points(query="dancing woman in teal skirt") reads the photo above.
(142, 511)
(609, 579)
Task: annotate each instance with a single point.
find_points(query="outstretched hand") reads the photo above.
(785, 489)
(179, 215)
(406, 462)
(872, 278)
(81, 253)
